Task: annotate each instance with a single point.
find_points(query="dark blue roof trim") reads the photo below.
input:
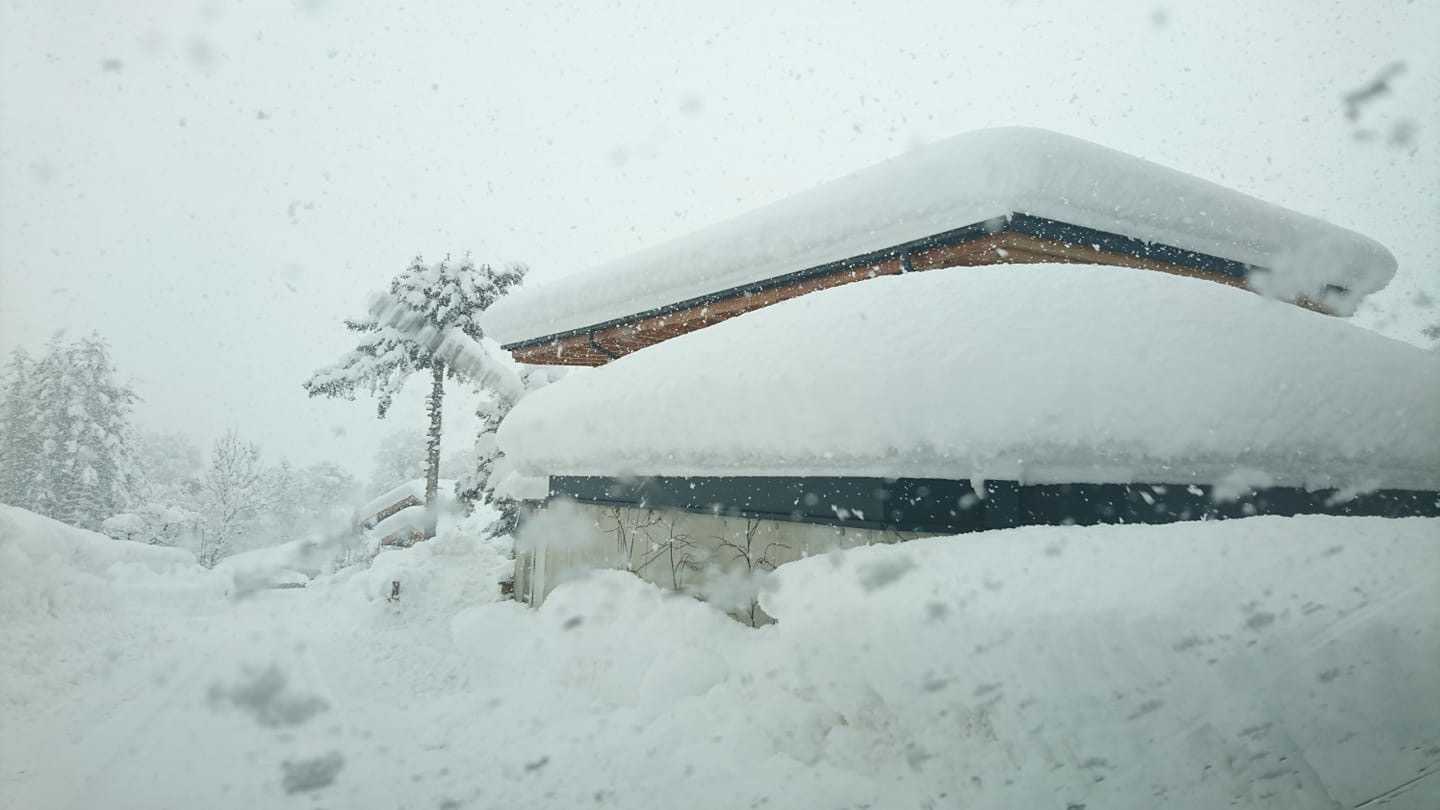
(954, 237)
(942, 506)
(1076, 236)
(1017, 223)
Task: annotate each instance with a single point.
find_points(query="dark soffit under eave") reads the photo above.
(1027, 224)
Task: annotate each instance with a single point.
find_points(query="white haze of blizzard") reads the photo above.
(1043, 373)
(962, 181)
(217, 198)
(1267, 662)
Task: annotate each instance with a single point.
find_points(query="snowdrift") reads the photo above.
(960, 181)
(1037, 373)
(1283, 662)
(34, 546)
(1265, 663)
(66, 593)
(1268, 662)
(291, 564)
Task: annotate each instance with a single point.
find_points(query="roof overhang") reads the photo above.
(1015, 183)
(1017, 238)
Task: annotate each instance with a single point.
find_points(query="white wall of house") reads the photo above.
(713, 557)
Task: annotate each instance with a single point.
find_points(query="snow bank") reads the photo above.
(283, 565)
(65, 594)
(963, 180)
(1260, 663)
(456, 567)
(1282, 661)
(1062, 373)
(37, 542)
(52, 570)
(1275, 663)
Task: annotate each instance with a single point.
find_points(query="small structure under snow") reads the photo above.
(399, 517)
(941, 403)
(998, 196)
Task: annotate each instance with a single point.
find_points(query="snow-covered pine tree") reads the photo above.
(19, 445)
(49, 424)
(404, 333)
(505, 391)
(81, 420)
(283, 502)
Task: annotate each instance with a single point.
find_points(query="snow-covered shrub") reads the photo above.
(157, 525)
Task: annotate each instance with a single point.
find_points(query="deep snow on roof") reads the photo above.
(414, 488)
(963, 180)
(1039, 373)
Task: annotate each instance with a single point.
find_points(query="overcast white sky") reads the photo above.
(213, 186)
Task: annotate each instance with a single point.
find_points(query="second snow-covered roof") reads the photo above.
(1035, 373)
(966, 179)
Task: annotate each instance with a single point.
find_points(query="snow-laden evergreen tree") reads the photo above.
(156, 524)
(81, 421)
(283, 502)
(19, 445)
(404, 333)
(505, 384)
(233, 497)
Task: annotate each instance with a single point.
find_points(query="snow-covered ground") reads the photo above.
(1263, 663)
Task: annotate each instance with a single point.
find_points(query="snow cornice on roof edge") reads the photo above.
(986, 176)
(1047, 374)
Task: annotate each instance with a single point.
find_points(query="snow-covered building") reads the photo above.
(1059, 388)
(399, 517)
(997, 196)
(941, 403)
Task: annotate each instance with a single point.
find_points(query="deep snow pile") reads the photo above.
(1043, 373)
(292, 563)
(1258, 663)
(68, 605)
(960, 181)
(1284, 662)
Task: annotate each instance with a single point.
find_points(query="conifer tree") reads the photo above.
(283, 499)
(81, 422)
(403, 333)
(506, 384)
(19, 447)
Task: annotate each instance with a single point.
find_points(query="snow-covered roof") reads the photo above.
(961, 181)
(411, 517)
(1039, 373)
(413, 489)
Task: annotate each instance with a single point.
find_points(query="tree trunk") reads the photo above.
(432, 444)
